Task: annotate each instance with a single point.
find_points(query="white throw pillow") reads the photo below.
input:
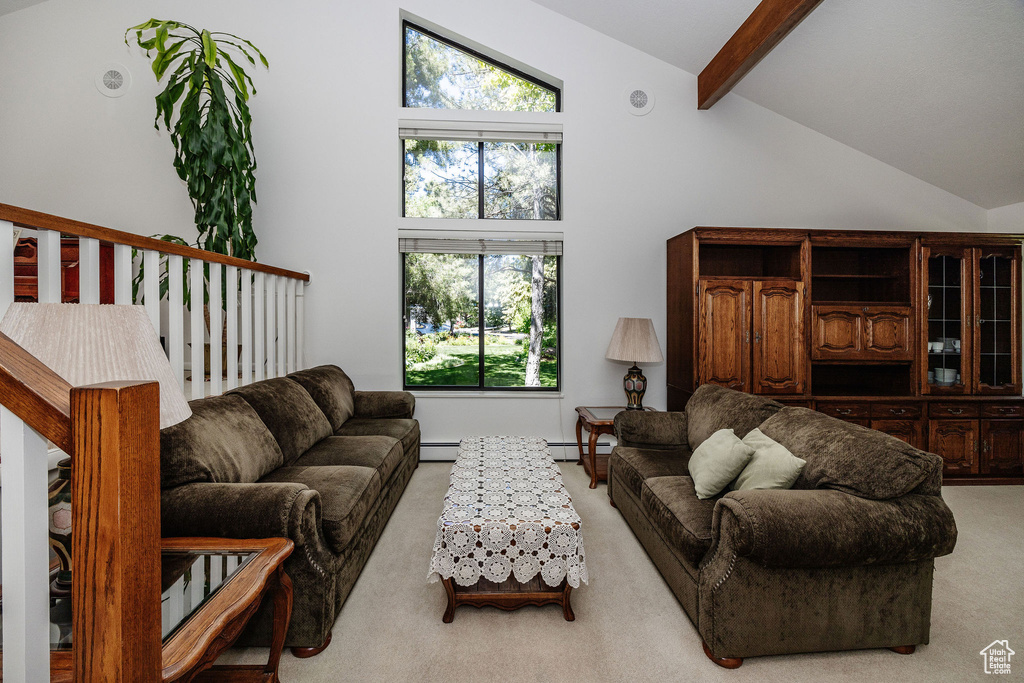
(771, 467)
(717, 461)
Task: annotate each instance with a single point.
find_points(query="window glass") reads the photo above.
(520, 180)
(442, 179)
(440, 75)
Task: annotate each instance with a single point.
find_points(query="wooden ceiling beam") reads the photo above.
(765, 28)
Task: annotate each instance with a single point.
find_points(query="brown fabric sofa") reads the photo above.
(304, 457)
(841, 561)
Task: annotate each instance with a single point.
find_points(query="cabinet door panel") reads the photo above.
(957, 442)
(887, 333)
(837, 332)
(947, 324)
(779, 356)
(1002, 447)
(723, 346)
(911, 431)
(996, 342)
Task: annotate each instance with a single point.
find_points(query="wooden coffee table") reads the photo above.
(210, 589)
(596, 420)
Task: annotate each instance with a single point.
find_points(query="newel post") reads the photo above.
(115, 488)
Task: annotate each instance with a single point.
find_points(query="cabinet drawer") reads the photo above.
(988, 410)
(845, 410)
(956, 410)
(896, 411)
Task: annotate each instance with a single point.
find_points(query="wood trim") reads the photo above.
(765, 28)
(115, 551)
(26, 218)
(35, 393)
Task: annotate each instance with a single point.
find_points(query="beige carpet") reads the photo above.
(629, 626)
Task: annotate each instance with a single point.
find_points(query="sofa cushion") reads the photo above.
(346, 493)
(224, 442)
(331, 389)
(718, 461)
(288, 411)
(847, 457)
(634, 465)
(771, 466)
(406, 431)
(382, 453)
(684, 521)
(713, 407)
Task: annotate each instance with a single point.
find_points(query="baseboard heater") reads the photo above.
(446, 451)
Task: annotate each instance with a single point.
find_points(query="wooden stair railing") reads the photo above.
(112, 432)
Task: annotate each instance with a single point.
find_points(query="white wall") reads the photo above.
(325, 126)
(1008, 218)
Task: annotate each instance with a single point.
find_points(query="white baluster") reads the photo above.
(291, 325)
(151, 285)
(88, 270)
(271, 328)
(123, 276)
(231, 305)
(48, 260)
(246, 297)
(257, 325)
(26, 622)
(282, 326)
(176, 601)
(6, 265)
(216, 330)
(198, 332)
(300, 326)
(175, 311)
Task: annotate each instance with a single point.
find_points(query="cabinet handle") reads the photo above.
(865, 309)
(747, 338)
(897, 411)
(955, 411)
(843, 411)
(757, 337)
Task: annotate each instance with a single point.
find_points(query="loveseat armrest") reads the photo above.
(646, 429)
(260, 510)
(825, 528)
(384, 404)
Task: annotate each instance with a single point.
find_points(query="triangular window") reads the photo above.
(441, 74)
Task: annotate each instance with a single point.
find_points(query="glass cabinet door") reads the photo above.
(949, 337)
(996, 321)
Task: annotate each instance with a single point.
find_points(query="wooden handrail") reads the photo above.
(36, 394)
(26, 218)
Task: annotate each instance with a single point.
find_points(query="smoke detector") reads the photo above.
(114, 80)
(639, 101)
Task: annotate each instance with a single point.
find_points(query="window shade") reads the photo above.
(487, 131)
(514, 247)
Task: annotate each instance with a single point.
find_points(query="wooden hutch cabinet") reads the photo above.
(915, 334)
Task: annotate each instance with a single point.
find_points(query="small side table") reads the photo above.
(596, 420)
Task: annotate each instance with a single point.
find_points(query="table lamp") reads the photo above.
(90, 344)
(634, 341)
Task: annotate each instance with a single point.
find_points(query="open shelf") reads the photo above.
(750, 261)
(860, 275)
(833, 379)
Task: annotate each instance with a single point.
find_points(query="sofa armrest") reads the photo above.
(384, 404)
(825, 528)
(261, 510)
(646, 429)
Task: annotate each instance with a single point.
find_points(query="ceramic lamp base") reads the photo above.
(635, 385)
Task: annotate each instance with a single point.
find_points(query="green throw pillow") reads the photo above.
(771, 467)
(717, 461)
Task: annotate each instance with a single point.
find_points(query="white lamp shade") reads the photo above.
(634, 341)
(93, 343)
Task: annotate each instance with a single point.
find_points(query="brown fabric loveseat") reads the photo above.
(841, 561)
(304, 457)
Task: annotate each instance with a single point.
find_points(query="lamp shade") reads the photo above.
(93, 343)
(634, 341)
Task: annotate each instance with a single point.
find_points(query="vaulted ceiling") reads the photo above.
(932, 87)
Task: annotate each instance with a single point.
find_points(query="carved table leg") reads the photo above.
(592, 444)
(449, 612)
(566, 607)
(579, 437)
(282, 617)
(307, 652)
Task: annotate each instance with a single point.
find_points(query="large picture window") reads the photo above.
(481, 314)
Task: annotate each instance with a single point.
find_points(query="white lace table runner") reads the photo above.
(507, 512)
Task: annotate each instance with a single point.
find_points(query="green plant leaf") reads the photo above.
(209, 50)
